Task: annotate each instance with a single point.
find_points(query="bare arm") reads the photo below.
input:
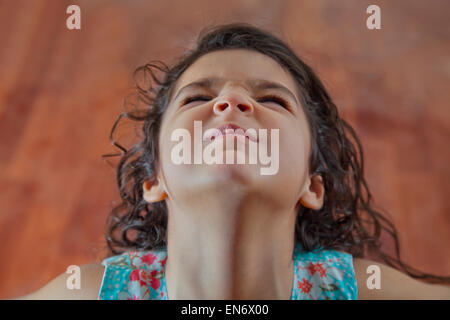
(395, 285)
(90, 277)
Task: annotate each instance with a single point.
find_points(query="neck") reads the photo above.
(224, 249)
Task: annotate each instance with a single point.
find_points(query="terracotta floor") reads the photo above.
(61, 90)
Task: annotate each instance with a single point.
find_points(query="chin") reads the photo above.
(231, 173)
(216, 177)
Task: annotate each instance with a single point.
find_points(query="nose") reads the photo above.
(232, 102)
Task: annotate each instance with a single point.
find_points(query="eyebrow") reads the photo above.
(260, 84)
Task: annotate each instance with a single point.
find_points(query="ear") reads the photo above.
(154, 192)
(313, 195)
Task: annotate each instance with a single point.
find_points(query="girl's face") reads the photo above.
(235, 96)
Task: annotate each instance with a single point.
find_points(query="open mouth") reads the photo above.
(230, 129)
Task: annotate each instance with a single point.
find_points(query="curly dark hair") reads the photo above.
(347, 220)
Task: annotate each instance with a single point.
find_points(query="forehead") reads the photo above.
(238, 66)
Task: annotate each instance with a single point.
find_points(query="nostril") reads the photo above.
(243, 108)
(222, 106)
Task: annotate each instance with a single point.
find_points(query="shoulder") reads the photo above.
(91, 276)
(324, 274)
(379, 281)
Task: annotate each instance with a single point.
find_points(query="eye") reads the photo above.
(275, 99)
(195, 98)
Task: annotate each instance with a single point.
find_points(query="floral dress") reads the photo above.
(318, 275)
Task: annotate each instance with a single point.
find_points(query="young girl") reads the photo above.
(202, 230)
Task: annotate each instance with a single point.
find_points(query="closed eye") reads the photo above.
(276, 99)
(195, 98)
(269, 98)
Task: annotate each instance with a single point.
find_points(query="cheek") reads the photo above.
(177, 177)
(293, 156)
(293, 150)
(174, 176)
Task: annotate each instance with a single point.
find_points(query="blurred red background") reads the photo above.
(61, 90)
